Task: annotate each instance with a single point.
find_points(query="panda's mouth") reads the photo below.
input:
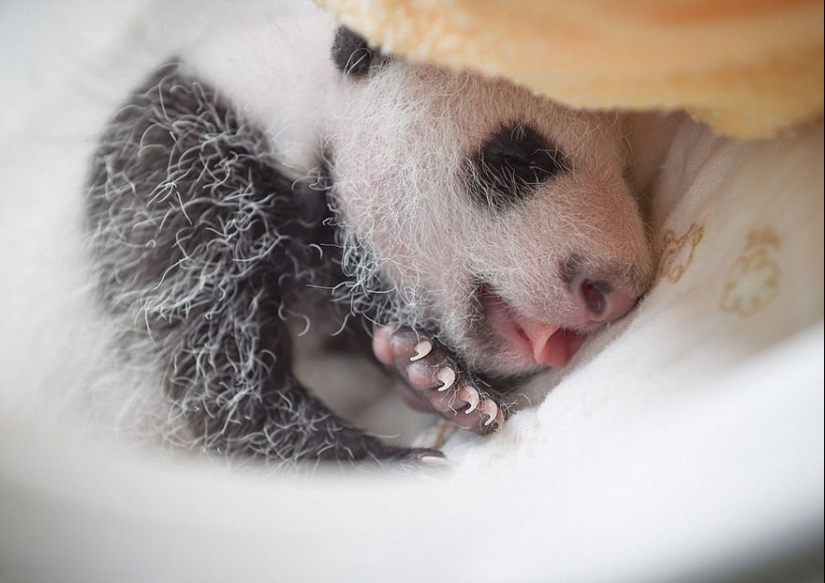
(527, 341)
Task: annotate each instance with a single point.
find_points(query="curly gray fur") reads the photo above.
(201, 247)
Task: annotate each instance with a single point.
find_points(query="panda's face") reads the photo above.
(500, 219)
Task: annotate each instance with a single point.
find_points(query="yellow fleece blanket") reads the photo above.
(749, 69)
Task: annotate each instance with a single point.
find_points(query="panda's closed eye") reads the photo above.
(511, 165)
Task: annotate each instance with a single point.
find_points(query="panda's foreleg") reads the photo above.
(230, 377)
(199, 244)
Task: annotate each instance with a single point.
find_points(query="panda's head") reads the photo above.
(497, 218)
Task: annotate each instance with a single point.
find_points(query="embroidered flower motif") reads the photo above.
(677, 253)
(753, 279)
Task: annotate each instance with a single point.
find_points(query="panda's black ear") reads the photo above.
(353, 55)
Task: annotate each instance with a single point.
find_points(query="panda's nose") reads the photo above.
(602, 301)
(606, 292)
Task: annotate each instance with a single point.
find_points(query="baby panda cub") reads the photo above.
(472, 232)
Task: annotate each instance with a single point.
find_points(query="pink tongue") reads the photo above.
(551, 345)
(546, 343)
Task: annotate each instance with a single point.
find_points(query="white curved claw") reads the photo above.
(422, 349)
(470, 396)
(499, 421)
(447, 376)
(491, 409)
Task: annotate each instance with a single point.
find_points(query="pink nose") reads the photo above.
(602, 303)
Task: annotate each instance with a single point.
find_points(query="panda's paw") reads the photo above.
(417, 457)
(434, 380)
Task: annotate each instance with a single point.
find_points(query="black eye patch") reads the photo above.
(352, 54)
(511, 165)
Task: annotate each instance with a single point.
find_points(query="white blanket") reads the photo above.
(686, 443)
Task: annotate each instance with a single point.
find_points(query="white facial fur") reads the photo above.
(400, 139)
